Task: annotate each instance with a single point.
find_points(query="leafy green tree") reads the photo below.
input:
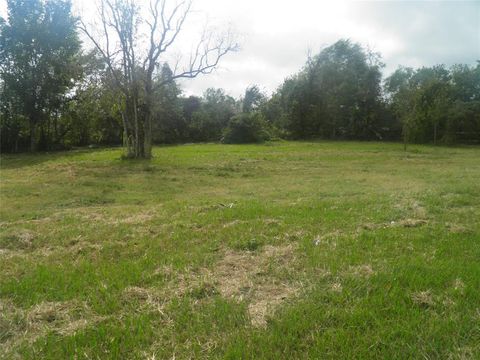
(246, 128)
(169, 124)
(336, 95)
(252, 99)
(436, 104)
(402, 99)
(39, 50)
(216, 110)
(463, 123)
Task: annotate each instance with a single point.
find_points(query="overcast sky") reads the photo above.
(276, 35)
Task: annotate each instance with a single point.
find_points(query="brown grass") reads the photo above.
(65, 318)
(363, 271)
(423, 298)
(238, 275)
(243, 276)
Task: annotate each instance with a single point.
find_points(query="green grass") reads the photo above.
(285, 250)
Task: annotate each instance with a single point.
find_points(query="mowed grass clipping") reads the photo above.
(285, 250)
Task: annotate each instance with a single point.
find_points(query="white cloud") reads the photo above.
(276, 35)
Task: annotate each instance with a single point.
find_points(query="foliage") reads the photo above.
(39, 50)
(336, 95)
(253, 99)
(436, 104)
(209, 121)
(68, 98)
(169, 125)
(246, 128)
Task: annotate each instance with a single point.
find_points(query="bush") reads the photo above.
(246, 128)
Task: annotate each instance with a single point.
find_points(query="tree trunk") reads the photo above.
(127, 144)
(33, 137)
(148, 118)
(147, 145)
(435, 134)
(136, 128)
(55, 128)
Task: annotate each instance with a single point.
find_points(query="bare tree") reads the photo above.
(133, 42)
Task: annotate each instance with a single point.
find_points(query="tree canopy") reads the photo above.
(39, 50)
(54, 94)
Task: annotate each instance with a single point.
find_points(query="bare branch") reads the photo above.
(120, 23)
(107, 57)
(205, 58)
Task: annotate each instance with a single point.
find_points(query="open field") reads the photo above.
(284, 250)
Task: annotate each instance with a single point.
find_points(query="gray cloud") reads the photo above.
(410, 33)
(428, 32)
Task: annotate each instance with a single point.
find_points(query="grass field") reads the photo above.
(285, 250)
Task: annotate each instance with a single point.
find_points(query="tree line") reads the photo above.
(55, 94)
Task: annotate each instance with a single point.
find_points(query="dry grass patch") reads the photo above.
(328, 239)
(410, 223)
(457, 229)
(336, 287)
(407, 223)
(18, 240)
(134, 219)
(64, 318)
(272, 222)
(412, 207)
(238, 275)
(464, 353)
(459, 285)
(360, 271)
(149, 297)
(266, 298)
(128, 219)
(245, 276)
(18, 326)
(418, 210)
(233, 223)
(423, 298)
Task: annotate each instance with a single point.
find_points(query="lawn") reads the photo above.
(285, 250)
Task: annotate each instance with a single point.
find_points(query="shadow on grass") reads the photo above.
(18, 161)
(21, 160)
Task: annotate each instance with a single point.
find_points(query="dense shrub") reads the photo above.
(246, 128)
